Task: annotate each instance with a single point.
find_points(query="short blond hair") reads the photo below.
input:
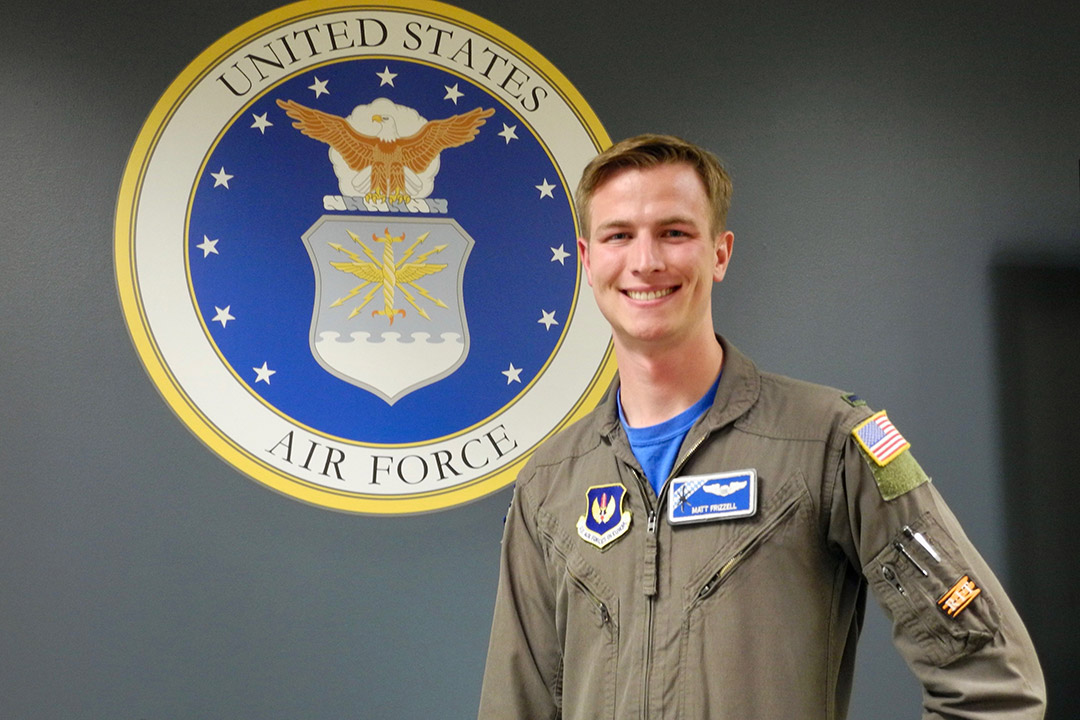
(648, 151)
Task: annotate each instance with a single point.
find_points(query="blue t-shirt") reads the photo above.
(656, 447)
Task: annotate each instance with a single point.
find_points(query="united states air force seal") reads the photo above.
(345, 253)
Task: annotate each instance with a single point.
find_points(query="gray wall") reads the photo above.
(884, 155)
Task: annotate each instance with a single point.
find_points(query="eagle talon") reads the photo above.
(391, 314)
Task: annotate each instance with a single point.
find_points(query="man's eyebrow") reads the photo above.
(677, 220)
(616, 223)
(673, 220)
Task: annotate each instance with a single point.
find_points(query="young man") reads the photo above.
(700, 545)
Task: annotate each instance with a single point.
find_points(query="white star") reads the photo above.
(223, 316)
(386, 77)
(559, 254)
(545, 189)
(512, 375)
(261, 123)
(208, 246)
(452, 93)
(548, 320)
(508, 133)
(262, 374)
(221, 177)
(319, 87)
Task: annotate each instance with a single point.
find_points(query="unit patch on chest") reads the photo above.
(605, 520)
(723, 496)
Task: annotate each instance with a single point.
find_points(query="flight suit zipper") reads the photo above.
(650, 544)
(651, 570)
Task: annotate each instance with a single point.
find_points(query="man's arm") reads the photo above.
(952, 621)
(523, 662)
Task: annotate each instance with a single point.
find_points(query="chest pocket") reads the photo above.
(587, 623)
(778, 510)
(936, 602)
(733, 646)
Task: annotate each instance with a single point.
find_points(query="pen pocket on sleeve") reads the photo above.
(931, 593)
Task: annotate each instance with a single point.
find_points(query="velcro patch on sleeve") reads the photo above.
(903, 474)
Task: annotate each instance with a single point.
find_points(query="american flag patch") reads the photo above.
(880, 439)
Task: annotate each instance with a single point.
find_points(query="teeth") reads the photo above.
(649, 295)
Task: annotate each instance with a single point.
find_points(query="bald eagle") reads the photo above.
(381, 160)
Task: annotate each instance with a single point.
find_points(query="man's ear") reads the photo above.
(583, 255)
(724, 243)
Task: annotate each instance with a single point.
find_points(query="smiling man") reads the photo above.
(700, 546)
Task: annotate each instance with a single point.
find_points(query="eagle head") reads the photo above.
(387, 127)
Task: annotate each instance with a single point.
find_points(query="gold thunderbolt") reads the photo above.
(388, 274)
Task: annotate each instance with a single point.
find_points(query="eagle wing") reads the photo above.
(417, 151)
(412, 272)
(356, 148)
(363, 270)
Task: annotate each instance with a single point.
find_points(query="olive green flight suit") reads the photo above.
(753, 618)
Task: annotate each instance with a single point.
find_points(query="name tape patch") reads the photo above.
(705, 498)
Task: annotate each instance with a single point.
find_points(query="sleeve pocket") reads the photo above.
(936, 604)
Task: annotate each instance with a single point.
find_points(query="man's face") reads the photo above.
(651, 257)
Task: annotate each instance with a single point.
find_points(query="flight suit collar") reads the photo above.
(738, 390)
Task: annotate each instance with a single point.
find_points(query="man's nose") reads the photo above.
(648, 255)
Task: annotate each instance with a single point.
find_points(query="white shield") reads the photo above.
(388, 313)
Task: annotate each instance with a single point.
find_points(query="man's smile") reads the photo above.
(649, 294)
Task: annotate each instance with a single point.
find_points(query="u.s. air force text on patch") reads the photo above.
(345, 253)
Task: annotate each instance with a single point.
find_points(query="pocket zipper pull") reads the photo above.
(708, 586)
(890, 575)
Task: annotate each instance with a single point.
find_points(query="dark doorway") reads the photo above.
(1038, 316)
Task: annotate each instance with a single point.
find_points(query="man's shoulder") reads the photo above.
(579, 439)
(796, 408)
